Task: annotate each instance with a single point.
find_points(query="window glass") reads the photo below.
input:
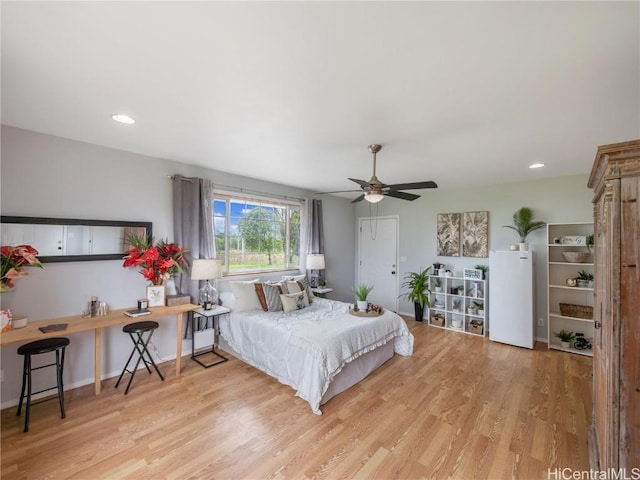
(254, 235)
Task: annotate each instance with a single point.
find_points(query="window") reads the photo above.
(254, 235)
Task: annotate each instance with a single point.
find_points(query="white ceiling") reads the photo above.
(459, 93)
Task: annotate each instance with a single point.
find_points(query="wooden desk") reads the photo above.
(78, 323)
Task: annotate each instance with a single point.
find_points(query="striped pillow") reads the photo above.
(272, 296)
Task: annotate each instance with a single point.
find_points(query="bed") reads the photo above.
(320, 350)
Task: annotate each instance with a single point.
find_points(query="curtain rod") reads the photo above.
(245, 190)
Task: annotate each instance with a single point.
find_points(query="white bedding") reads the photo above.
(307, 348)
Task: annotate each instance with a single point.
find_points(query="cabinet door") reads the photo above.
(606, 348)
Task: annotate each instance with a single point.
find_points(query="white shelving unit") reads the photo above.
(454, 311)
(568, 237)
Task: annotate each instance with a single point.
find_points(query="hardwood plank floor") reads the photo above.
(461, 407)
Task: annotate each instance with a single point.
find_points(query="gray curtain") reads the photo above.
(314, 231)
(193, 225)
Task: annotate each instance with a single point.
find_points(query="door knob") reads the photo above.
(393, 272)
(597, 324)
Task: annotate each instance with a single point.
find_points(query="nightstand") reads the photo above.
(205, 337)
(321, 291)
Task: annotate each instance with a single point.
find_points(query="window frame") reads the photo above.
(240, 197)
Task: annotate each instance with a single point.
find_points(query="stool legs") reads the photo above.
(140, 346)
(27, 384)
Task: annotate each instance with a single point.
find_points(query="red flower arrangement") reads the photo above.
(14, 261)
(157, 261)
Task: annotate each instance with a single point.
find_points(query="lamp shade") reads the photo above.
(315, 261)
(205, 269)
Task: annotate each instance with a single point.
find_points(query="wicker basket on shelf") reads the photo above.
(578, 257)
(576, 311)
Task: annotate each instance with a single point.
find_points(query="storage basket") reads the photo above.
(477, 328)
(438, 320)
(577, 311)
(577, 257)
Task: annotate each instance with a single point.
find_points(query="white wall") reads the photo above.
(564, 199)
(48, 176)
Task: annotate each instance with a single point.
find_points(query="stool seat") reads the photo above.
(46, 345)
(43, 346)
(140, 327)
(136, 332)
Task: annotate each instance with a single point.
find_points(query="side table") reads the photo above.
(321, 291)
(207, 336)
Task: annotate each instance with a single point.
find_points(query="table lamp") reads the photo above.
(206, 269)
(315, 262)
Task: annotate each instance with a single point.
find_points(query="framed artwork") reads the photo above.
(448, 232)
(475, 234)
(155, 295)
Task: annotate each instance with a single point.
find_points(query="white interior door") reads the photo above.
(378, 259)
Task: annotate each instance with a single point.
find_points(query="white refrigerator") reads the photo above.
(511, 296)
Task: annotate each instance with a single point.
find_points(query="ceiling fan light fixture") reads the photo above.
(373, 197)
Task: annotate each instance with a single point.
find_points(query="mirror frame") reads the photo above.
(76, 221)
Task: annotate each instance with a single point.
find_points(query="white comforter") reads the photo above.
(306, 348)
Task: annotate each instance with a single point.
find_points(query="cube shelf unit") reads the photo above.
(568, 237)
(453, 311)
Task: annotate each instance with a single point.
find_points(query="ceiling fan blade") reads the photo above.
(362, 183)
(359, 199)
(402, 195)
(337, 191)
(413, 186)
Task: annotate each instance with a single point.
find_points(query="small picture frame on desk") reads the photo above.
(155, 295)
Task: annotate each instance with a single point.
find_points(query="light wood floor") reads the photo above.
(461, 407)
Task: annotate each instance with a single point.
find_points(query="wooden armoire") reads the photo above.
(615, 430)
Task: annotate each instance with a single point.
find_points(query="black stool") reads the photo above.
(57, 344)
(140, 345)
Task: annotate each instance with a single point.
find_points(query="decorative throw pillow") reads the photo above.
(304, 281)
(272, 294)
(245, 296)
(294, 287)
(261, 298)
(294, 301)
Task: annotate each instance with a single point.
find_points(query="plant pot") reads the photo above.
(363, 305)
(418, 311)
(565, 344)
(19, 322)
(523, 246)
(437, 289)
(481, 313)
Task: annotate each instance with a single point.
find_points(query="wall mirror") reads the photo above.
(70, 239)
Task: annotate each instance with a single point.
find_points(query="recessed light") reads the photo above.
(122, 118)
(536, 165)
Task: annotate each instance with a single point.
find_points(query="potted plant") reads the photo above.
(585, 279)
(417, 285)
(480, 306)
(524, 224)
(589, 242)
(484, 269)
(437, 284)
(457, 304)
(361, 292)
(565, 337)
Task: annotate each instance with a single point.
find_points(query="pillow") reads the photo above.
(260, 293)
(272, 292)
(245, 296)
(294, 287)
(227, 300)
(294, 301)
(304, 281)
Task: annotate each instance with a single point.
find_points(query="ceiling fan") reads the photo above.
(374, 190)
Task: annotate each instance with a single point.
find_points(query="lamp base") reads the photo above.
(208, 296)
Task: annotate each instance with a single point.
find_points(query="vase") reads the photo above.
(363, 305)
(170, 286)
